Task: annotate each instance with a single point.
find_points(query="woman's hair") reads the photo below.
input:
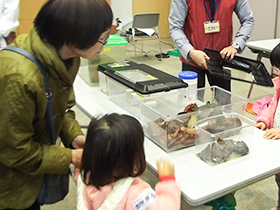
(77, 23)
(113, 150)
(275, 56)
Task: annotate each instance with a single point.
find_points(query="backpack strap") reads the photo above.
(31, 57)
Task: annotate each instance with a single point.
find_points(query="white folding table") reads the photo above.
(199, 182)
(263, 49)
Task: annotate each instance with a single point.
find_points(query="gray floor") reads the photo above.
(258, 196)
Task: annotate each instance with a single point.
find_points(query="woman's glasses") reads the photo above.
(106, 38)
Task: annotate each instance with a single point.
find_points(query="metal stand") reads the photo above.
(259, 57)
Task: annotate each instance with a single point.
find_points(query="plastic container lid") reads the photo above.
(116, 40)
(141, 78)
(187, 75)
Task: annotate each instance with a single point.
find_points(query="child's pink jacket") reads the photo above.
(267, 116)
(168, 195)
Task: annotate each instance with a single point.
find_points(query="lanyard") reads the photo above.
(211, 18)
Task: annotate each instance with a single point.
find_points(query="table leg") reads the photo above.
(250, 91)
(259, 57)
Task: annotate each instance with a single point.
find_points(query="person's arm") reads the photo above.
(167, 190)
(22, 147)
(71, 133)
(246, 18)
(267, 116)
(177, 17)
(261, 125)
(167, 194)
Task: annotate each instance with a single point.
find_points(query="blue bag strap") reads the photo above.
(28, 55)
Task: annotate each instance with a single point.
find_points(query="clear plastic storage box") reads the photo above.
(113, 51)
(122, 95)
(169, 119)
(223, 137)
(127, 82)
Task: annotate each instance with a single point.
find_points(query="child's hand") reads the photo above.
(261, 126)
(76, 174)
(165, 168)
(79, 142)
(272, 134)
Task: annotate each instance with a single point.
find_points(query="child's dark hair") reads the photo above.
(275, 56)
(113, 150)
(77, 23)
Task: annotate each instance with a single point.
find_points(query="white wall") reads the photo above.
(265, 24)
(278, 21)
(121, 9)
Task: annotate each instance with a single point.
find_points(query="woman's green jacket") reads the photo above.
(26, 153)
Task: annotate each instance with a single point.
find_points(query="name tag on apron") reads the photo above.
(211, 27)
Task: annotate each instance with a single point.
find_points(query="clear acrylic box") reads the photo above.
(127, 82)
(223, 137)
(122, 95)
(170, 131)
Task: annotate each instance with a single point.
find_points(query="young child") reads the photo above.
(112, 161)
(269, 120)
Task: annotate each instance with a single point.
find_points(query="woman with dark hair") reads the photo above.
(269, 120)
(112, 161)
(64, 31)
